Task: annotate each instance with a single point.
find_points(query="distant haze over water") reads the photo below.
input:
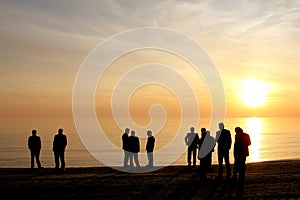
(272, 139)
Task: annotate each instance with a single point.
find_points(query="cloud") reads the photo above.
(44, 42)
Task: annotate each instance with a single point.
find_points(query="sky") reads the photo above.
(44, 43)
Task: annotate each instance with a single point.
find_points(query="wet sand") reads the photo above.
(264, 180)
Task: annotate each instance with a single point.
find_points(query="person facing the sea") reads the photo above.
(149, 148)
(191, 140)
(59, 146)
(224, 144)
(126, 146)
(241, 151)
(206, 147)
(34, 145)
(134, 148)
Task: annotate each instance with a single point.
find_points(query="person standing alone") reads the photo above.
(149, 148)
(59, 146)
(224, 144)
(191, 140)
(34, 145)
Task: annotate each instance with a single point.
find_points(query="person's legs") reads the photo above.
(38, 159)
(62, 159)
(136, 159)
(235, 169)
(220, 160)
(242, 169)
(203, 170)
(226, 156)
(131, 159)
(56, 159)
(189, 156)
(209, 162)
(126, 158)
(194, 151)
(150, 159)
(32, 159)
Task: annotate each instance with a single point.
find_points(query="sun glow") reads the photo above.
(253, 92)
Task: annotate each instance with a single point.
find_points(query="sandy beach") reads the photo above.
(264, 180)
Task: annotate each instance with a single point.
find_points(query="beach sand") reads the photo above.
(264, 180)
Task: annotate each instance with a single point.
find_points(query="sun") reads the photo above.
(253, 92)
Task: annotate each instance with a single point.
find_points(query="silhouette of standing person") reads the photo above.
(126, 146)
(59, 146)
(34, 145)
(149, 148)
(191, 140)
(206, 147)
(224, 145)
(134, 148)
(241, 151)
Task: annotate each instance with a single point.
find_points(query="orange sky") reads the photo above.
(43, 45)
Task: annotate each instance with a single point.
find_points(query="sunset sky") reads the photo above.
(43, 44)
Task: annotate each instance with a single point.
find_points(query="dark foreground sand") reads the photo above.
(266, 180)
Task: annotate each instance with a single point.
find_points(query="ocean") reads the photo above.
(272, 139)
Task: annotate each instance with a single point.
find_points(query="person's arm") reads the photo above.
(197, 141)
(147, 144)
(186, 139)
(153, 143)
(29, 143)
(249, 141)
(218, 135)
(39, 144)
(54, 143)
(229, 140)
(66, 141)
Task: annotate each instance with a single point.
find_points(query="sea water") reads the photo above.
(271, 138)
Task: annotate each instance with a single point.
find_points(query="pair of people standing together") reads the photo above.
(59, 146)
(240, 152)
(206, 144)
(131, 147)
(242, 141)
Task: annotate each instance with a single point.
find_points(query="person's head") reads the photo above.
(33, 132)
(132, 133)
(149, 133)
(203, 131)
(192, 129)
(208, 133)
(238, 130)
(127, 130)
(60, 131)
(221, 126)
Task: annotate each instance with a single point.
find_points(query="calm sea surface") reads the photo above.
(272, 139)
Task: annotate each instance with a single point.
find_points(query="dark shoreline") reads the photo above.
(264, 180)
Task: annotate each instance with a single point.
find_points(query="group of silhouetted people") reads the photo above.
(59, 146)
(205, 146)
(131, 147)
